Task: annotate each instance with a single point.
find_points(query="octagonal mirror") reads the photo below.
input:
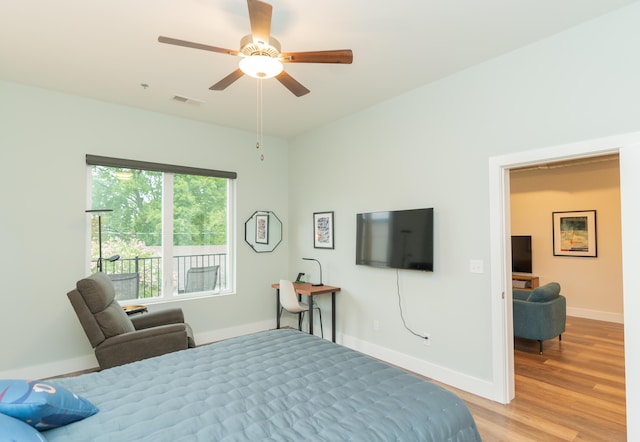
(263, 231)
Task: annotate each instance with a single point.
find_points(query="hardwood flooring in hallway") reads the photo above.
(574, 391)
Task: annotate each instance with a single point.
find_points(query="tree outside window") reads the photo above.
(193, 210)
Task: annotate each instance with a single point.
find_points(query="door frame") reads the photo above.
(628, 146)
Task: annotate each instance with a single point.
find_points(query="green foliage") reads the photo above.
(199, 209)
(199, 213)
(150, 270)
(136, 203)
(135, 224)
(130, 249)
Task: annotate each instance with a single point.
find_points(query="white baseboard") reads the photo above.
(81, 363)
(52, 369)
(225, 333)
(479, 387)
(596, 314)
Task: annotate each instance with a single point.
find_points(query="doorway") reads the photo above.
(590, 186)
(502, 324)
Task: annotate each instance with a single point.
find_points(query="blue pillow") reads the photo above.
(14, 430)
(545, 293)
(42, 404)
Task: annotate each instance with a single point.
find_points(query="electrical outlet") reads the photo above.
(476, 266)
(427, 339)
(376, 325)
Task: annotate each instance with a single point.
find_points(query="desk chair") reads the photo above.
(200, 279)
(289, 302)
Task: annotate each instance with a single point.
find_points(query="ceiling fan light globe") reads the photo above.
(261, 66)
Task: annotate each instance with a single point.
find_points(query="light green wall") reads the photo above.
(427, 148)
(430, 148)
(44, 139)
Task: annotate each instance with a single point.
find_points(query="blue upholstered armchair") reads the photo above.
(540, 313)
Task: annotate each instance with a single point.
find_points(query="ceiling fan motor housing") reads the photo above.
(261, 55)
(250, 47)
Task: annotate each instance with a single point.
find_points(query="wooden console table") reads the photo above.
(530, 281)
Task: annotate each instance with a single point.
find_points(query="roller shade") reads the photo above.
(95, 160)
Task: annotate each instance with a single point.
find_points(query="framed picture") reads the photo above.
(574, 233)
(323, 230)
(262, 229)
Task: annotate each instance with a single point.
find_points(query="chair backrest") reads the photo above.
(126, 285)
(288, 296)
(200, 279)
(99, 313)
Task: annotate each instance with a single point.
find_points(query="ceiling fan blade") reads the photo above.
(338, 56)
(189, 44)
(227, 81)
(292, 84)
(260, 18)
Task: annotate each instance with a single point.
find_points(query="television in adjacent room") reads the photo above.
(521, 258)
(399, 239)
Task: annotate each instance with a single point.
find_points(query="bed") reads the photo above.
(278, 385)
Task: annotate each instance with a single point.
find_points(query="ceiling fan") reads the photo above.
(261, 54)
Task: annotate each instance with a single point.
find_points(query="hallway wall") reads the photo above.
(592, 286)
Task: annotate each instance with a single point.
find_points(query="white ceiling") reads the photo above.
(105, 49)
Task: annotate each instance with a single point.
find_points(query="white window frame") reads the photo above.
(167, 293)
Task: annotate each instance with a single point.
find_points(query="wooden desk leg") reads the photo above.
(277, 308)
(333, 316)
(310, 315)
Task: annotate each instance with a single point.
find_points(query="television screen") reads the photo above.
(521, 260)
(401, 239)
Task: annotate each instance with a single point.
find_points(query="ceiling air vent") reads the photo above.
(183, 99)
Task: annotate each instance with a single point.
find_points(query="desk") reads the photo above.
(307, 289)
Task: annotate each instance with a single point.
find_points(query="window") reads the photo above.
(137, 206)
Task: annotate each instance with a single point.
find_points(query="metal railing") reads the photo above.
(149, 271)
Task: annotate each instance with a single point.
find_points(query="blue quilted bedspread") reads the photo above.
(280, 385)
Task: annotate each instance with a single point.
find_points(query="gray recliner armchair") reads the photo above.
(119, 339)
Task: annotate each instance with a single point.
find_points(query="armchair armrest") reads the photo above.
(521, 294)
(142, 344)
(539, 320)
(154, 319)
(136, 336)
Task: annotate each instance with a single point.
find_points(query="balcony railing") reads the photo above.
(150, 271)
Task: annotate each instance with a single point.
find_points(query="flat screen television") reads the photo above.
(521, 260)
(399, 239)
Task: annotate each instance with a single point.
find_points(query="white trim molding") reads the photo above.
(628, 145)
(479, 387)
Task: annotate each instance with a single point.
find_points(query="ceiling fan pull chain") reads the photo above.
(258, 114)
(259, 121)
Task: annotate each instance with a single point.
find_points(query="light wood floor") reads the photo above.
(574, 391)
